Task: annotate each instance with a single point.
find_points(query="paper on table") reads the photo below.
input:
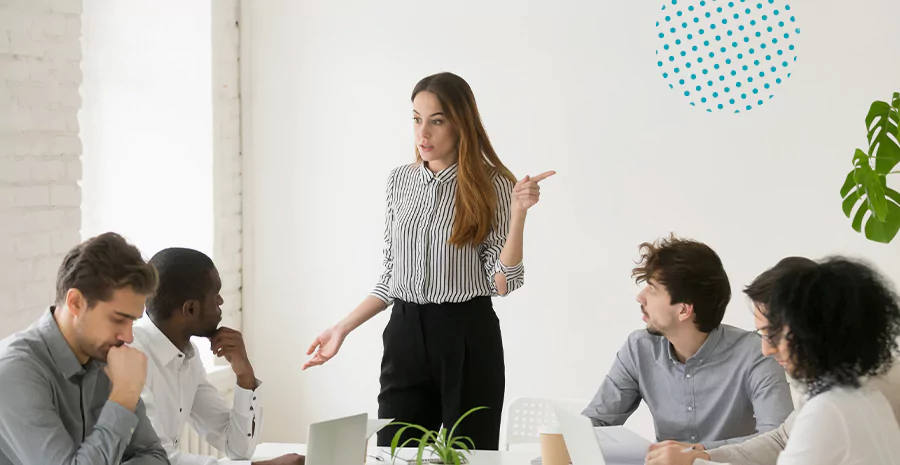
(619, 445)
(373, 425)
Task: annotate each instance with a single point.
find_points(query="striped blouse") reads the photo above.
(420, 265)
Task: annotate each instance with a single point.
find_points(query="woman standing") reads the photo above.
(453, 239)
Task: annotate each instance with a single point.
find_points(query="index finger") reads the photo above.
(543, 176)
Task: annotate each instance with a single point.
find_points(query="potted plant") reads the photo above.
(447, 448)
(867, 182)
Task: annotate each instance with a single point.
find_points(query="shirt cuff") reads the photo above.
(509, 270)
(718, 455)
(381, 292)
(118, 419)
(247, 403)
(710, 445)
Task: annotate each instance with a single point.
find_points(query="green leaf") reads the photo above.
(885, 231)
(873, 185)
(851, 201)
(849, 184)
(393, 450)
(892, 194)
(421, 452)
(895, 103)
(443, 444)
(452, 430)
(865, 188)
(461, 442)
(867, 185)
(883, 120)
(405, 426)
(858, 219)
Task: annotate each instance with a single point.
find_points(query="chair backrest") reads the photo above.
(525, 416)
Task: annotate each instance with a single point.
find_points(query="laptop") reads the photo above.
(331, 442)
(587, 445)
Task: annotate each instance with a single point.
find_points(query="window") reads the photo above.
(146, 125)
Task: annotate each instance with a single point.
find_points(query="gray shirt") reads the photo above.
(55, 411)
(724, 394)
(761, 450)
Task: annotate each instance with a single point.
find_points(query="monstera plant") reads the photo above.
(867, 184)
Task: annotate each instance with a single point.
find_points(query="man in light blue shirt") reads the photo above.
(705, 383)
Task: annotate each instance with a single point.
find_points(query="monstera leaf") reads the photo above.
(883, 123)
(866, 185)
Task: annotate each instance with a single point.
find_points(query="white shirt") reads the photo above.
(844, 426)
(177, 392)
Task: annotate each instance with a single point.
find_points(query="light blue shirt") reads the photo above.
(725, 394)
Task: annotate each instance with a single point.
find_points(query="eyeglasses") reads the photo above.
(772, 339)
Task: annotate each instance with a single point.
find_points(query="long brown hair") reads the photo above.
(476, 200)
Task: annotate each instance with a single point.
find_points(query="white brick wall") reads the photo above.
(40, 166)
(227, 246)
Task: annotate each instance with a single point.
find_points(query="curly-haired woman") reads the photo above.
(833, 325)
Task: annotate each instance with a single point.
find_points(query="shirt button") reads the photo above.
(688, 376)
(179, 409)
(251, 409)
(693, 438)
(248, 435)
(690, 408)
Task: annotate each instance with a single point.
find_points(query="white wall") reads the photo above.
(161, 124)
(40, 152)
(227, 159)
(147, 123)
(568, 85)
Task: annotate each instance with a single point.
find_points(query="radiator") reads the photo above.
(192, 443)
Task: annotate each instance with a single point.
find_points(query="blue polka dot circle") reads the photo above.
(726, 55)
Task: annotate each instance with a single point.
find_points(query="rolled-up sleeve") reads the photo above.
(382, 287)
(496, 240)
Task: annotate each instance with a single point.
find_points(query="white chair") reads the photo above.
(525, 416)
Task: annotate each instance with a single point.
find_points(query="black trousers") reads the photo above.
(440, 360)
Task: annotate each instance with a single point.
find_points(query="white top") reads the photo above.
(420, 265)
(844, 426)
(177, 392)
